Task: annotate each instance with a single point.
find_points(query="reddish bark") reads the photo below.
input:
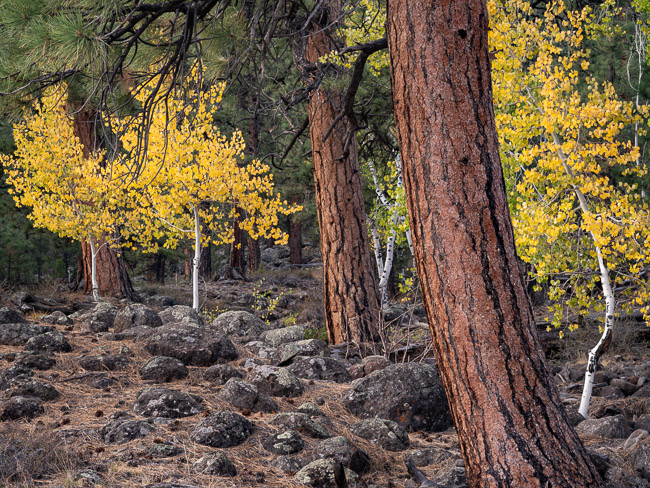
(511, 423)
(112, 277)
(350, 289)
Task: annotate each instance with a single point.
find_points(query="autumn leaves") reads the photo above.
(189, 186)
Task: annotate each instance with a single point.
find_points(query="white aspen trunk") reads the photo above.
(376, 244)
(196, 260)
(385, 272)
(610, 301)
(93, 268)
(605, 338)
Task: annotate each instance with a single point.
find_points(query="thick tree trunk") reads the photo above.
(511, 423)
(350, 290)
(112, 277)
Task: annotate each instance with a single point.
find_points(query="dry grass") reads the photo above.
(73, 421)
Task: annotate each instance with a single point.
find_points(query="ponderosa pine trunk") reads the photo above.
(254, 255)
(112, 277)
(511, 423)
(350, 290)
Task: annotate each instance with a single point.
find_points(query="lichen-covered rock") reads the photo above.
(639, 459)
(104, 362)
(614, 427)
(342, 450)
(431, 456)
(368, 365)
(35, 360)
(246, 396)
(162, 369)
(289, 464)
(21, 407)
(100, 318)
(222, 429)
(284, 443)
(162, 402)
(310, 409)
(135, 315)
(124, 430)
(322, 473)
(49, 342)
(57, 318)
(318, 368)
(386, 433)
(12, 316)
(163, 450)
(32, 388)
(180, 314)
(286, 353)
(236, 323)
(12, 372)
(18, 333)
(220, 373)
(410, 394)
(195, 346)
(284, 335)
(301, 423)
(216, 464)
(275, 381)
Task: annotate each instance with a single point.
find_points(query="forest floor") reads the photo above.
(96, 432)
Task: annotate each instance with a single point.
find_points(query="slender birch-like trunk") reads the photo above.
(610, 301)
(93, 268)
(197, 259)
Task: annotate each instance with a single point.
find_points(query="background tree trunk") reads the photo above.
(350, 290)
(295, 235)
(254, 255)
(112, 277)
(512, 427)
(205, 265)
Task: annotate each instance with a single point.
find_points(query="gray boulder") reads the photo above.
(124, 430)
(275, 381)
(343, 451)
(163, 450)
(239, 323)
(57, 318)
(48, 342)
(162, 402)
(318, 368)
(180, 314)
(35, 360)
(32, 388)
(162, 369)
(216, 464)
(300, 422)
(18, 333)
(286, 353)
(100, 318)
(284, 443)
(21, 407)
(409, 393)
(324, 473)
(222, 429)
(246, 396)
(136, 315)
(614, 427)
(220, 373)
(284, 335)
(12, 316)
(104, 362)
(196, 346)
(386, 433)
